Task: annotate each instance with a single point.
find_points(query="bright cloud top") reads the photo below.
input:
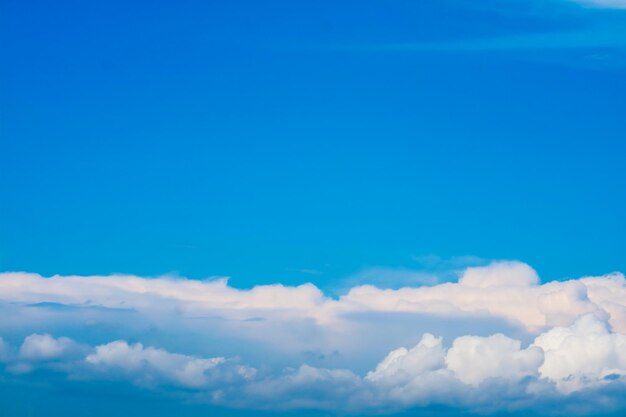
(509, 290)
(574, 347)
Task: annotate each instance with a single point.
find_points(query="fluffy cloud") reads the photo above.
(474, 370)
(580, 359)
(403, 365)
(500, 274)
(507, 290)
(148, 366)
(563, 340)
(37, 347)
(504, 289)
(582, 355)
(474, 359)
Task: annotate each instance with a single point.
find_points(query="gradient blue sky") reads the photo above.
(333, 142)
(257, 139)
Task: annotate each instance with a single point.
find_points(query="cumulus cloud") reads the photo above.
(44, 351)
(403, 365)
(564, 340)
(504, 289)
(149, 366)
(474, 359)
(38, 347)
(500, 274)
(471, 373)
(497, 373)
(582, 355)
(508, 290)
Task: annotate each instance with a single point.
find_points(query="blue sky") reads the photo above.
(254, 140)
(393, 143)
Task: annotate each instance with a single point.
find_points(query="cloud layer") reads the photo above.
(509, 290)
(558, 342)
(583, 357)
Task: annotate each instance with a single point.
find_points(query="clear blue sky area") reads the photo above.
(305, 141)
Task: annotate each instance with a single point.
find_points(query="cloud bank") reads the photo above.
(509, 290)
(559, 342)
(582, 358)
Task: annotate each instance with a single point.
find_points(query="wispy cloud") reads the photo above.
(306, 271)
(610, 4)
(597, 48)
(610, 38)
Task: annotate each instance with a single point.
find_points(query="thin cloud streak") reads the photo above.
(589, 39)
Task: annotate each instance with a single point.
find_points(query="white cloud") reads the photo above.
(148, 366)
(508, 290)
(403, 365)
(582, 355)
(127, 291)
(470, 374)
(474, 359)
(37, 347)
(576, 326)
(500, 274)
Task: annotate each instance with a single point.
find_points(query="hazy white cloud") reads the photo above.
(132, 292)
(4, 350)
(565, 339)
(469, 374)
(507, 290)
(148, 366)
(37, 347)
(306, 387)
(504, 289)
(392, 278)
